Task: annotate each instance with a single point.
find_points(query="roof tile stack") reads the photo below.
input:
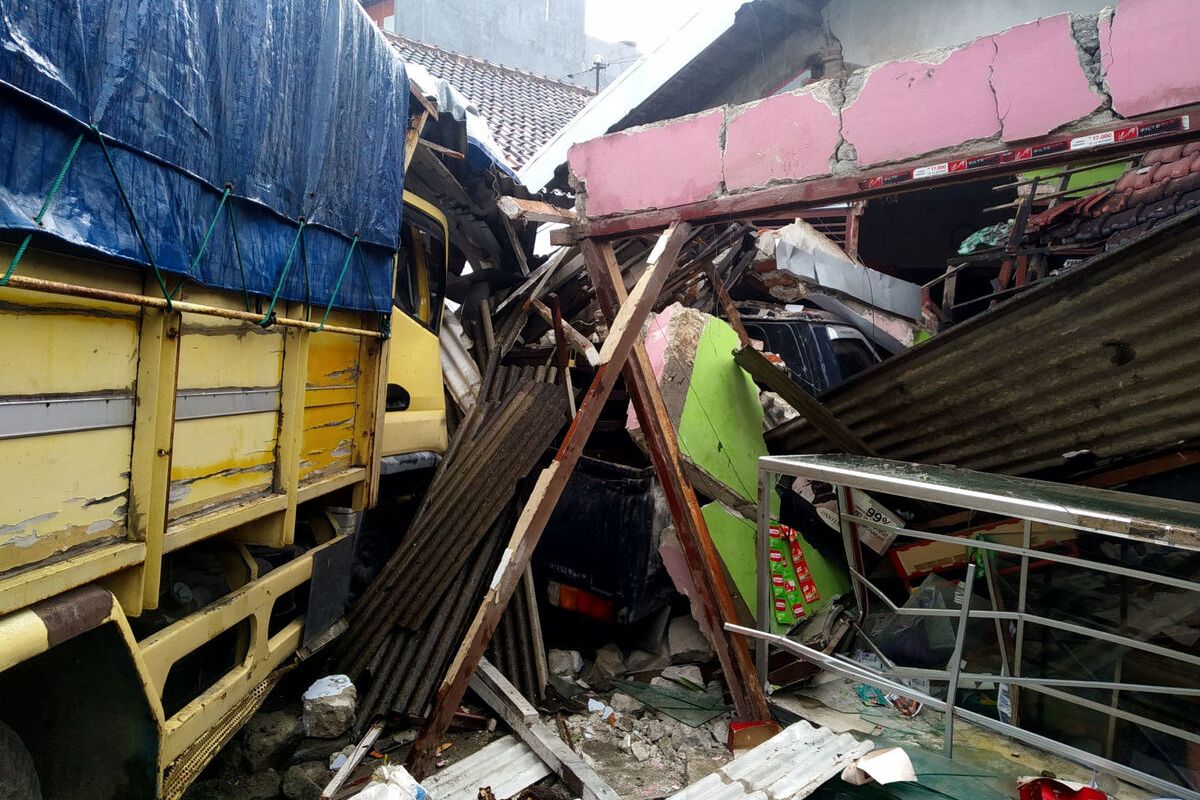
(524, 110)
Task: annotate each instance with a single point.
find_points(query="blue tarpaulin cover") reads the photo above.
(299, 105)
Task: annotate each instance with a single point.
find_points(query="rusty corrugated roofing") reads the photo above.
(1101, 359)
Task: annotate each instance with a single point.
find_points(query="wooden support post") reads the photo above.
(704, 563)
(412, 137)
(771, 376)
(564, 359)
(624, 333)
(726, 303)
(153, 434)
(512, 707)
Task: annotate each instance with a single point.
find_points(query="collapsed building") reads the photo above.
(804, 429)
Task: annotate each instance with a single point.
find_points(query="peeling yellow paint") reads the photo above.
(220, 458)
(61, 491)
(328, 439)
(332, 360)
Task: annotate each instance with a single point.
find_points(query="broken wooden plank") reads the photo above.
(446, 151)
(504, 699)
(428, 104)
(520, 210)
(624, 333)
(560, 348)
(496, 690)
(577, 340)
(704, 563)
(775, 379)
(518, 248)
(356, 757)
(726, 303)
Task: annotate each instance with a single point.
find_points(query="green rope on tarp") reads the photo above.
(237, 251)
(204, 242)
(337, 286)
(385, 324)
(211, 226)
(137, 226)
(50, 195)
(268, 318)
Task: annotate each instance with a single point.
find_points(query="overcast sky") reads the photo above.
(647, 22)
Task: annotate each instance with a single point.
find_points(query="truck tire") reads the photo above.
(18, 776)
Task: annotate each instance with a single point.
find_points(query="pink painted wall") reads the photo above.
(656, 350)
(656, 167)
(1021, 84)
(1150, 54)
(1040, 84)
(908, 107)
(786, 137)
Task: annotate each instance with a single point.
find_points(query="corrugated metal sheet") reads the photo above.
(506, 766)
(792, 765)
(1104, 358)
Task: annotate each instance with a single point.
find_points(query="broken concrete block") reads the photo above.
(624, 704)
(305, 781)
(269, 738)
(641, 661)
(689, 673)
(641, 751)
(565, 663)
(686, 642)
(329, 706)
(609, 664)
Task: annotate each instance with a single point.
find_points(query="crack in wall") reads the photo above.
(992, 87)
(1085, 35)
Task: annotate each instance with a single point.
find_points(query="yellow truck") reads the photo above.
(184, 462)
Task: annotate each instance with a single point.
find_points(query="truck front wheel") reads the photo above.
(18, 776)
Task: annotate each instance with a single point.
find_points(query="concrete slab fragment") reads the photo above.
(909, 107)
(785, 137)
(1149, 56)
(655, 167)
(1040, 84)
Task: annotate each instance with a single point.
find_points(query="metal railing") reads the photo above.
(1171, 526)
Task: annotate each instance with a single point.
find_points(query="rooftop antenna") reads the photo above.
(598, 66)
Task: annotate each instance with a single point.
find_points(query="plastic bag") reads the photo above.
(392, 782)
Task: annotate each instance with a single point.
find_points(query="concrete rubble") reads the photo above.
(329, 706)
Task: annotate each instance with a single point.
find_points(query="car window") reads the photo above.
(851, 350)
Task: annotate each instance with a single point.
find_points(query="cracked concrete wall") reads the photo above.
(1149, 55)
(1054, 75)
